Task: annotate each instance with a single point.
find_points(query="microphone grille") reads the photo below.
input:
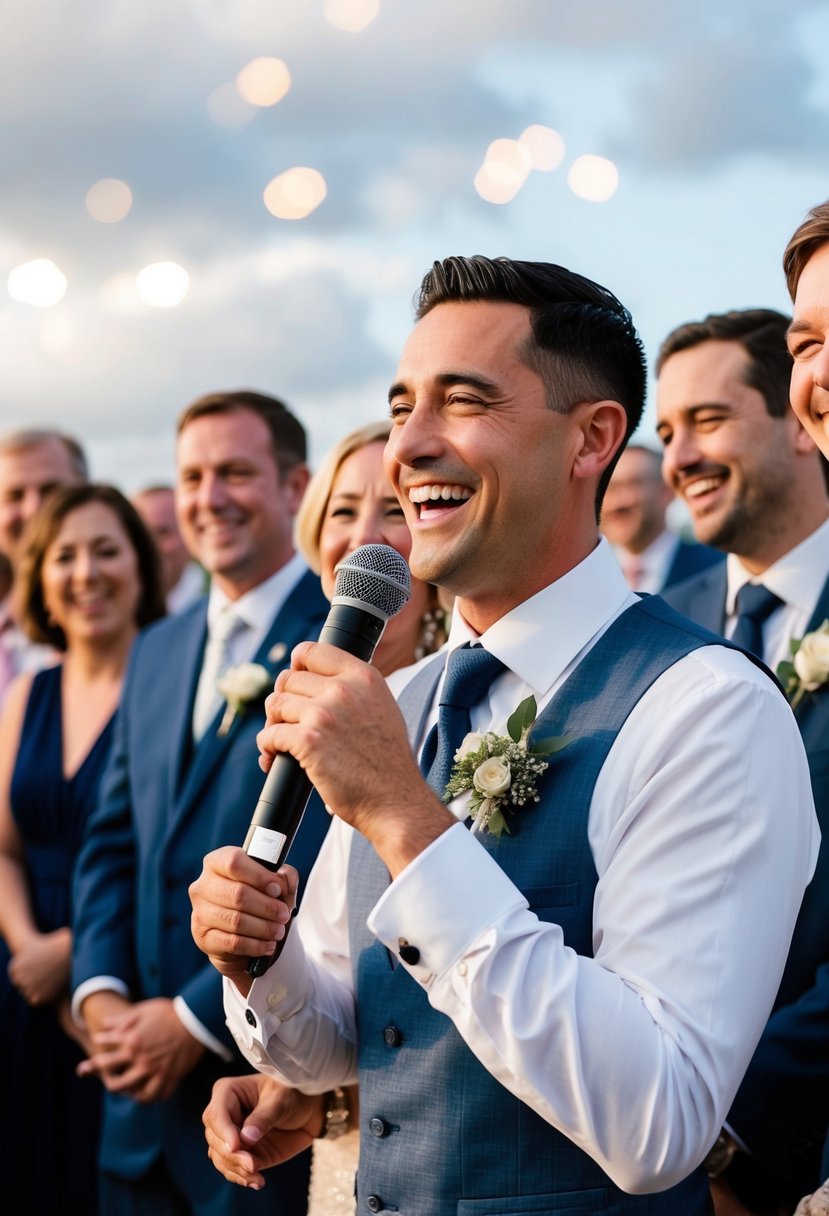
(377, 576)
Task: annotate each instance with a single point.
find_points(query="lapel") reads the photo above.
(821, 612)
(189, 649)
(706, 603)
(301, 616)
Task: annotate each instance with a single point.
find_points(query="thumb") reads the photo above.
(273, 1108)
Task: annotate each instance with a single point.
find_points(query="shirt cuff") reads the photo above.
(436, 906)
(199, 1031)
(98, 983)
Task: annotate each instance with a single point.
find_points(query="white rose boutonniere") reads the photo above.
(501, 771)
(808, 669)
(239, 686)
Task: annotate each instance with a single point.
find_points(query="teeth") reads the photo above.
(439, 493)
(696, 488)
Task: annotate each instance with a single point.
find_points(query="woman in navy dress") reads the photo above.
(88, 581)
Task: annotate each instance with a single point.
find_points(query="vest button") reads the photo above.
(392, 1037)
(378, 1127)
(250, 1017)
(375, 1204)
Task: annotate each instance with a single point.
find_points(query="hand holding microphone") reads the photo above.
(372, 585)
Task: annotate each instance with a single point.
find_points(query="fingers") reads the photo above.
(238, 1167)
(239, 910)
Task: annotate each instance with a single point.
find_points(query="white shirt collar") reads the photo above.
(542, 637)
(797, 577)
(258, 607)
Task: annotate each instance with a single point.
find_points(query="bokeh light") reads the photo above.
(39, 283)
(228, 109)
(162, 285)
(109, 200)
(593, 178)
(545, 146)
(504, 171)
(295, 193)
(352, 16)
(263, 82)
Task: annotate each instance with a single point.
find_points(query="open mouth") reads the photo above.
(701, 489)
(437, 500)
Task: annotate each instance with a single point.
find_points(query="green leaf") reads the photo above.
(785, 672)
(522, 719)
(546, 747)
(794, 645)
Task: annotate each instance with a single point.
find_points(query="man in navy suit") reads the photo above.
(652, 557)
(184, 773)
(754, 484)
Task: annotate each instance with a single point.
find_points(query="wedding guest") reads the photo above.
(530, 1034)
(32, 464)
(88, 579)
(754, 485)
(184, 579)
(183, 770)
(652, 557)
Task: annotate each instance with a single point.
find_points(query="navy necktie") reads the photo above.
(469, 674)
(754, 604)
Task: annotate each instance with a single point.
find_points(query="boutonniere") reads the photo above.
(501, 770)
(239, 686)
(808, 669)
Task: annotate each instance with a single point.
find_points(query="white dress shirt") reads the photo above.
(257, 608)
(703, 833)
(652, 564)
(798, 579)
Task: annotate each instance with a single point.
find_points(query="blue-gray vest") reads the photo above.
(439, 1135)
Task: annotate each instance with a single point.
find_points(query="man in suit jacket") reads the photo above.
(545, 1020)
(754, 484)
(652, 557)
(184, 772)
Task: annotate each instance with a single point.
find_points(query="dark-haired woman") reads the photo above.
(88, 581)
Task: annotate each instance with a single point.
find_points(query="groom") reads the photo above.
(555, 1018)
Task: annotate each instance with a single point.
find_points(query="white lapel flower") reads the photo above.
(501, 771)
(808, 669)
(239, 686)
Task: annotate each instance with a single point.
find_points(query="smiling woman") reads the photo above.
(89, 580)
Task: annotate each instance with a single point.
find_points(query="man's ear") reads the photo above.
(603, 425)
(294, 484)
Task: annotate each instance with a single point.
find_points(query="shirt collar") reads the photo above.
(540, 638)
(797, 577)
(258, 607)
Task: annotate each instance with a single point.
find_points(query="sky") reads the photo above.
(714, 118)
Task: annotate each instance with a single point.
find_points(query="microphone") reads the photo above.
(372, 585)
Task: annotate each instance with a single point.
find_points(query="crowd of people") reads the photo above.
(612, 993)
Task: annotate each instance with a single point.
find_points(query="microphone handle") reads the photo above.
(287, 787)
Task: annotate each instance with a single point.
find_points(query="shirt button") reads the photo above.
(276, 997)
(461, 969)
(392, 1037)
(374, 1203)
(409, 953)
(378, 1127)
(250, 1017)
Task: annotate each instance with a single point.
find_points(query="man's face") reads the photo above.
(725, 456)
(158, 510)
(809, 347)
(478, 459)
(234, 509)
(633, 513)
(27, 475)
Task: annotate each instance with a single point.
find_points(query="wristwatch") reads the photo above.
(721, 1155)
(337, 1115)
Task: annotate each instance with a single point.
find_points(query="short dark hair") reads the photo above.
(583, 343)
(806, 240)
(42, 531)
(288, 439)
(762, 334)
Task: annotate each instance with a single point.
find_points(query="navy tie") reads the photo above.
(469, 674)
(754, 604)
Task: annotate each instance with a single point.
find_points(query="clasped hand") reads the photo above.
(143, 1052)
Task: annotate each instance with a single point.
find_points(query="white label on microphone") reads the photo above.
(266, 845)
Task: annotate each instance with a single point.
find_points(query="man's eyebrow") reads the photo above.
(447, 379)
(798, 327)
